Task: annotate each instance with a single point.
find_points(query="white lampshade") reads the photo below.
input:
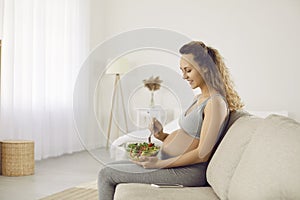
(120, 66)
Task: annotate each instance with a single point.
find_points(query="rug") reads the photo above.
(87, 191)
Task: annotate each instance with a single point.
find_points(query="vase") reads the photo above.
(152, 99)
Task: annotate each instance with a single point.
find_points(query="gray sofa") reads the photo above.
(257, 159)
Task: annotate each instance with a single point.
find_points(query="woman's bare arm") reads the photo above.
(215, 113)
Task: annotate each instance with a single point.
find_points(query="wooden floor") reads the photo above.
(86, 191)
(53, 175)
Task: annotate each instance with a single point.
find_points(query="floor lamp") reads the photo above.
(117, 68)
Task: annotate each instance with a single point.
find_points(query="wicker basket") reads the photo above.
(17, 157)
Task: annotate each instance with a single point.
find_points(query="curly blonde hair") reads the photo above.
(214, 71)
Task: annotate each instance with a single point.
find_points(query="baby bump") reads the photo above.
(178, 143)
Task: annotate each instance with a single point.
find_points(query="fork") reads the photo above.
(151, 132)
(149, 138)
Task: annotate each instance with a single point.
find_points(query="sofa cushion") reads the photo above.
(135, 191)
(233, 116)
(226, 158)
(270, 166)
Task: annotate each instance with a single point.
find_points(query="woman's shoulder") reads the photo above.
(217, 101)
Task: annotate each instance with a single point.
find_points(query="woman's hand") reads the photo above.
(148, 162)
(157, 129)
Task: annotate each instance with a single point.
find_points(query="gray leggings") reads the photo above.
(128, 172)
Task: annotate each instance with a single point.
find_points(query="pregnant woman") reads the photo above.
(185, 152)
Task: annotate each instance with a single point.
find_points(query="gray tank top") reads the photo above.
(191, 122)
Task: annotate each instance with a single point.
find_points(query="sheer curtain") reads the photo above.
(44, 43)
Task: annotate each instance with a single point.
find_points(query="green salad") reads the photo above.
(135, 150)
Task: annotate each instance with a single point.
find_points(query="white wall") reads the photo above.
(97, 19)
(258, 39)
(1, 18)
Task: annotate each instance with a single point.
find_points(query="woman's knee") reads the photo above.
(104, 174)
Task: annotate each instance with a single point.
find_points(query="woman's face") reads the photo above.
(190, 71)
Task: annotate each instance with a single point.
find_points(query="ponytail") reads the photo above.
(232, 97)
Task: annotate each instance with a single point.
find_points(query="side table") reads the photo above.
(17, 157)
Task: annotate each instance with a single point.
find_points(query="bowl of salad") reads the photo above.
(136, 150)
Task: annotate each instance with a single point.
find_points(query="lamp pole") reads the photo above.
(117, 81)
